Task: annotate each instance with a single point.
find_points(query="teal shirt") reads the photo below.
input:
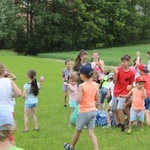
(30, 97)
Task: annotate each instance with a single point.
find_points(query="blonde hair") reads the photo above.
(73, 76)
(2, 69)
(5, 134)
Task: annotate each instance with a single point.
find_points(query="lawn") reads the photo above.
(53, 118)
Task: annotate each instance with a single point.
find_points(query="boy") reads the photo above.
(123, 79)
(137, 109)
(87, 95)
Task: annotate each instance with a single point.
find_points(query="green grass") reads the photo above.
(53, 118)
(111, 56)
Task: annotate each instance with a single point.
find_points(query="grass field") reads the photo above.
(53, 118)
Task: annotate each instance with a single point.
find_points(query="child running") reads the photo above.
(7, 128)
(30, 93)
(137, 109)
(65, 74)
(87, 95)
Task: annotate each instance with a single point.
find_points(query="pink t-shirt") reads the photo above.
(137, 99)
(88, 97)
(123, 80)
(73, 93)
(97, 69)
(146, 77)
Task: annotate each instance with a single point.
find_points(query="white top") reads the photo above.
(6, 94)
(110, 86)
(73, 93)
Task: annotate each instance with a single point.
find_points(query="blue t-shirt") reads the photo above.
(30, 97)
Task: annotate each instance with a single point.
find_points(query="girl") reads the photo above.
(30, 93)
(65, 74)
(81, 60)
(97, 64)
(72, 87)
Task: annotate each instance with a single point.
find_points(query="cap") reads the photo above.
(110, 75)
(139, 79)
(86, 69)
(143, 68)
(6, 117)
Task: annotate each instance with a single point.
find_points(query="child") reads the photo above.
(87, 95)
(123, 78)
(6, 88)
(30, 93)
(72, 87)
(65, 73)
(137, 109)
(97, 65)
(7, 128)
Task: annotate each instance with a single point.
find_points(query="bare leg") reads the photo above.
(131, 124)
(75, 138)
(107, 115)
(26, 118)
(121, 115)
(65, 97)
(34, 117)
(93, 139)
(116, 116)
(140, 124)
(126, 109)
(147, 113)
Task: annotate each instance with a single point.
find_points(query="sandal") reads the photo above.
(67, 146)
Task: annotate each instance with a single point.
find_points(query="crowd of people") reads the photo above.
(126, 88)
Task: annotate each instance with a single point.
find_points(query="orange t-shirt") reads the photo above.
(137, 99)
(88, 97)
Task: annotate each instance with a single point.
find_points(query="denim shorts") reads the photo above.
(147, 103)
(30, 105)
(73, 103)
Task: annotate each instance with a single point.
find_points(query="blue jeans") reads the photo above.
(147, 103)
(103, 93)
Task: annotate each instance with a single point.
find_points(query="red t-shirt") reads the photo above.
(146, 77)
(124, 78)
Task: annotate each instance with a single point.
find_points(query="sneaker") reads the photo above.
(129, 131)
(65, 106)
(67, 146)
(85, 127)
(107, 126)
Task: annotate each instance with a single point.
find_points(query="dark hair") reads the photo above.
(66, 61)
(125, 57)
(34, 87)
(88, 76)
(78, 59)
(134, 61)
(148, 52)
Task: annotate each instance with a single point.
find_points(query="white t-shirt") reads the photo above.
(110, 86)
(6, 94)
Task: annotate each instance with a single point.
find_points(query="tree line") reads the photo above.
(38, 26)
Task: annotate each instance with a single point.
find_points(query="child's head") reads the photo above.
(87, 71)
(134, 61)
(95, 56)
(32, 76)
(73, 79)
(143, 68)
(7, 125)
(148, 54)
(106, 72)
(2, 69)
(110, 76)
(95, 76)
(125, 60)
(68, 63)
(139, 82)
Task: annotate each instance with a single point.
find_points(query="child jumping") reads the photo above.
(30, 93)
(87, 95)
(137, 109)
(65, 73)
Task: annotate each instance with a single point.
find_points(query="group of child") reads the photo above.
(8, 91)
(124, 83)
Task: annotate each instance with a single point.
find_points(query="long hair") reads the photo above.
(78, 59)
(2, 69)
(34, 87)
